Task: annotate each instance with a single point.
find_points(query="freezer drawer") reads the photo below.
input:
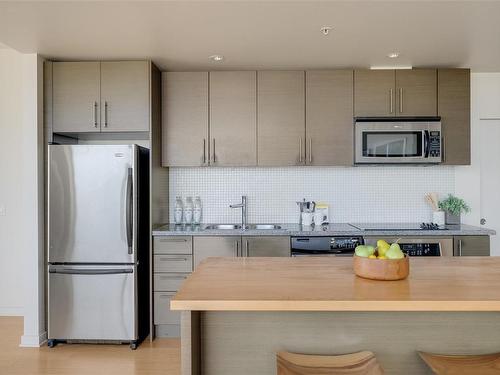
(173, 263)
(163, 314)
(173, 245)
(169, 282)
(92, 303)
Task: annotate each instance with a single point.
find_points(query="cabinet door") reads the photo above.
(416, 91)
(125, 96)
(267, 246)
(329, 117)
(471, 246)
(185, 119)
(215, 246)
(374, 93)
(76, 98)
(280, 118)
(233, 118)
(454, 109)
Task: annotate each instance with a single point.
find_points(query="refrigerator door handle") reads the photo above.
(92, 271)
(129, 209)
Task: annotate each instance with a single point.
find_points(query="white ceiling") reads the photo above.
(259, 34)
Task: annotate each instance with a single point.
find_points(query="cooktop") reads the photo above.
(397, 226)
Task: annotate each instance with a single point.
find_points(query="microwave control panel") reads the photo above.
(434, 143)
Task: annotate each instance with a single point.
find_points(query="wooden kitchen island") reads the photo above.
(238, 312)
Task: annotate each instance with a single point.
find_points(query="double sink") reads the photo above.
(241, 227)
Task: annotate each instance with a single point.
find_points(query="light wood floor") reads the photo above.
(160, 357)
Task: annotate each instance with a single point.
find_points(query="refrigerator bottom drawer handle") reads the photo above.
(92, 272)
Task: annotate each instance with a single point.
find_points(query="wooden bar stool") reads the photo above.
(361, 363)
(487, 364)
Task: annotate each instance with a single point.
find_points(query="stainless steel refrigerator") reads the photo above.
(98, 237)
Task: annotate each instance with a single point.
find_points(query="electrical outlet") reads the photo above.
(3, 210)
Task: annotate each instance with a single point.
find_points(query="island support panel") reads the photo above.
(246, 343)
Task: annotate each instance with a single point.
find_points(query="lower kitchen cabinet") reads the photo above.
(471, 246)
(268, 246)
(215, 246)
(173, 262)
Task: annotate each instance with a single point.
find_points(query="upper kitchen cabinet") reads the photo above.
(329, 125)
(233, 118)
(454, 110)
(374, 92)
(281, 118)
(405, 92)
(185, 119)
(416, 91)
(101, 96)
(76, 97)
(125, 96)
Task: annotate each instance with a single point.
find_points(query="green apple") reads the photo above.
(362, 251)
(371, 249)
(394, 252)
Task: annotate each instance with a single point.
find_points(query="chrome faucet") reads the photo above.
(243, 206)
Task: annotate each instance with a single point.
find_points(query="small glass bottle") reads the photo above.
(178, 210)
(197, 210)
(188, 211)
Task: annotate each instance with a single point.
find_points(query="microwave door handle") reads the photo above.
(427, 143)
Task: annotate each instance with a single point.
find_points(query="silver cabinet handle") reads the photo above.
(173, 259)
(247, 250)
(237, 249)
(94, 113)
(459, 248)
(105, 114)
(391, 101)
(310, 150)
(400, 100)
(204, 151)
(172, 240)
(300, 150)
(213, 151)
(443, 149)
(173, 277)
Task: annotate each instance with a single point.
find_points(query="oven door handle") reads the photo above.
(427, 143)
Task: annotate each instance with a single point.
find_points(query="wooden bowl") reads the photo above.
(382, 269)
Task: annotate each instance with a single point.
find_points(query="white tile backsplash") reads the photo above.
(355, 194)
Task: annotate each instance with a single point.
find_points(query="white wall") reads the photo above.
(22, 264)
(11, 177)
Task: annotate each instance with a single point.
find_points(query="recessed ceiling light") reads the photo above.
(393, 55)
(325, 30)
(217, 58)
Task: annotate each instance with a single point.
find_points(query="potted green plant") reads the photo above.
(453, 208)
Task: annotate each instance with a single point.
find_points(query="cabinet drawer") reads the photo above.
(173, 263)
(163, 314)
(173, 245)
(169, 282)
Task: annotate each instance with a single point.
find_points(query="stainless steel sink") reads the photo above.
(223, 227)
(265, 226)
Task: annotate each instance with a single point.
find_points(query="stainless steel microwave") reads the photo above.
(397, 141)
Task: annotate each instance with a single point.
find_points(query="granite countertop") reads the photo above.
(334, 229)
